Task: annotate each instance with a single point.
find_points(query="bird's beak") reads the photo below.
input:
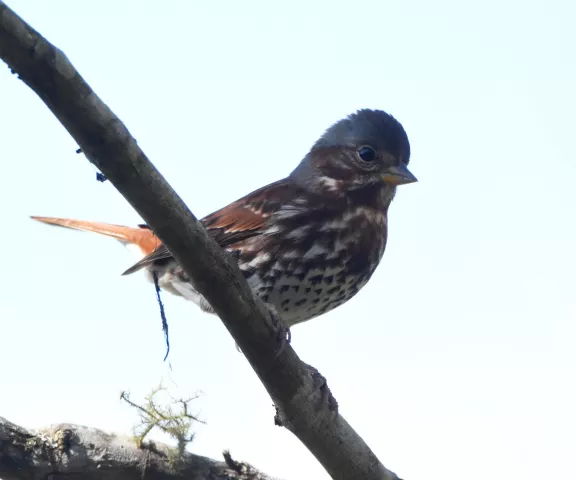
(398, 175)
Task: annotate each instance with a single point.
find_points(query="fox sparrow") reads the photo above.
(309, 242)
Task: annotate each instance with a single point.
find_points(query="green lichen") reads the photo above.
(174, 419)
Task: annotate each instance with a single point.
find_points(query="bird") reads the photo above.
(307, 243)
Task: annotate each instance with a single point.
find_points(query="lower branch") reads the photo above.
(73, 451)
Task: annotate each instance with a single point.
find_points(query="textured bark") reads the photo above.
(74, 452)
(296, 389)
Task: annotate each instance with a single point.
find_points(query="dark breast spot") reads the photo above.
(315, 280)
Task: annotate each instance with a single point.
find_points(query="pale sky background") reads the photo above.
(457, 361)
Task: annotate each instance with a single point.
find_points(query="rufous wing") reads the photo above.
(242, 219)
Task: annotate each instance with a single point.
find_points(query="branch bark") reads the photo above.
(107, 143)
(67, 451)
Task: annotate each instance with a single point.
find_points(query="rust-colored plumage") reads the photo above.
(141, 237)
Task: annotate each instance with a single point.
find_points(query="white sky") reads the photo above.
(457, 361)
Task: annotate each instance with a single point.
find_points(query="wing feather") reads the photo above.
(242, 219)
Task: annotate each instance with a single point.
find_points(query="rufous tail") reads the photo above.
(142, 237)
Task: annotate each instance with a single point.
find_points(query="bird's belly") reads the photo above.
(297, 296)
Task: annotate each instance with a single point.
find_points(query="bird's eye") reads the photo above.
(368, 154)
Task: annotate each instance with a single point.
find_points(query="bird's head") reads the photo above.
(367, 149)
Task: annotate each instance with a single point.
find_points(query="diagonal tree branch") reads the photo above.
(107, 143)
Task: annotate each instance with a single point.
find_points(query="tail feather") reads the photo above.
(141, 237)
